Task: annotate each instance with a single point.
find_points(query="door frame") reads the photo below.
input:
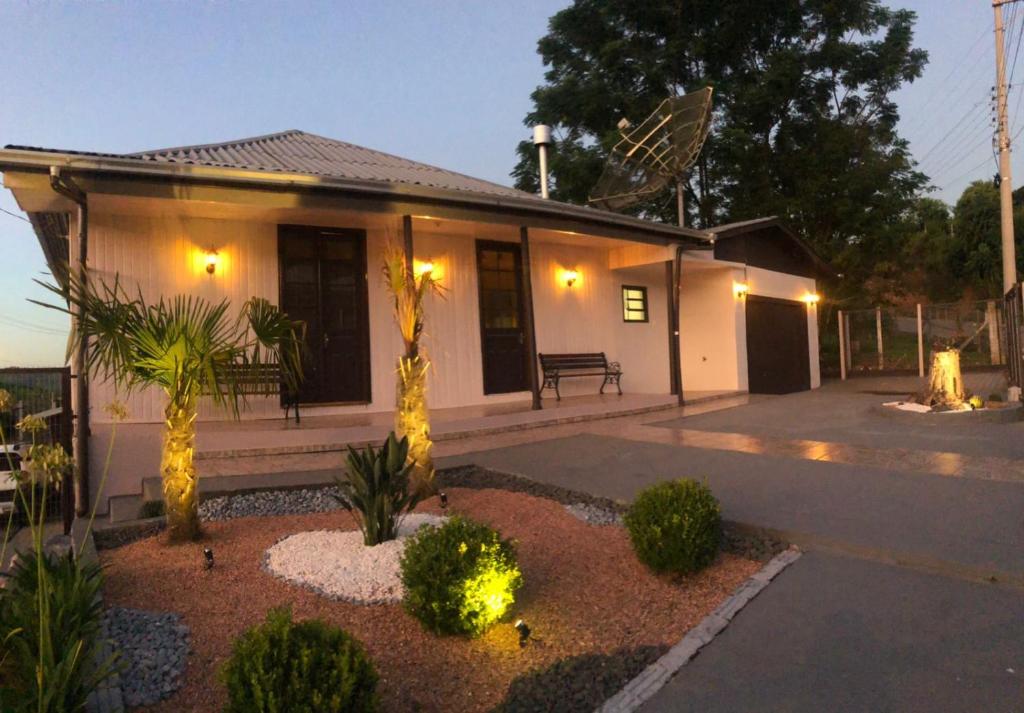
(486, 244)
(363, 295)
(806, 355)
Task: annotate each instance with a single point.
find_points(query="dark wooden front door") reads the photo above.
(323, 283)
(502, 333)
(778, 361)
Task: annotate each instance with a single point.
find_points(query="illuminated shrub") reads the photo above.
(459, 578)
(304, 667)
(675, 527)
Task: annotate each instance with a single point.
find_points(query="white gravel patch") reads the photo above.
(338, 565)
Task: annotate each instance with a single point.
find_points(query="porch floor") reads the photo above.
(266, 437)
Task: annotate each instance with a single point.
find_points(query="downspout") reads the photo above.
(69, 189)
(677, 279)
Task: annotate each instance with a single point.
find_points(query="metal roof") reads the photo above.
(301, 161)
(297, 151)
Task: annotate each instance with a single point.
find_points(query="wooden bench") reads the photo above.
(264, 380)
(555, 367)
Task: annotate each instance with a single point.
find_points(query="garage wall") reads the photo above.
(712, 334)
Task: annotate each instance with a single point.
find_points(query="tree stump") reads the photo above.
(945, 383)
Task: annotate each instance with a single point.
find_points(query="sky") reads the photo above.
(438, 81)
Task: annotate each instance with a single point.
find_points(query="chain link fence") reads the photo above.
(899, 340)
(45, 394)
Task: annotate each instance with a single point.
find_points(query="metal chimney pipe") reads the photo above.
(542, 139)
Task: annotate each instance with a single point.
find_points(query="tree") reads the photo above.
(189, 348)
(412, 420)
(804, 124)
(975, 255)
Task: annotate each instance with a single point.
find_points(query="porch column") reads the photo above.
(674, 278)
(407, 242)
(529, 333)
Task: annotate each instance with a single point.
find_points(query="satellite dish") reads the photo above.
(654, 153)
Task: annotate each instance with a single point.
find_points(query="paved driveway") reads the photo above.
(892, 609)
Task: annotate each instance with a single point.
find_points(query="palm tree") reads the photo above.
(189, 348)
(411, 417)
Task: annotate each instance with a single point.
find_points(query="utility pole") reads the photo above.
(1005, 177)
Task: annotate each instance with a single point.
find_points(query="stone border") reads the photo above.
(1008, 414)
(654, 677)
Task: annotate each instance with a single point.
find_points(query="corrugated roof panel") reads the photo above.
(301, 152)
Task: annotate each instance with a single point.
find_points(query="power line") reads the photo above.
(15, 215)
(970, 112)
(940, 88)
(957, 160)
(966, 173)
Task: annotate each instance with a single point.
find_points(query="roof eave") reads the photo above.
(19, 159)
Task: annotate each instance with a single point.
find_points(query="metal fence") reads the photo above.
(899, 340)
(45, 393)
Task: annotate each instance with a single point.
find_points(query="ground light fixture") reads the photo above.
(443, 497)
(524, 633)
(207, 558)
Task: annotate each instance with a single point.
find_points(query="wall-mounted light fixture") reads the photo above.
(740, 289)
(423, 267)
(812, 298)
(570, 277)
(212, 260)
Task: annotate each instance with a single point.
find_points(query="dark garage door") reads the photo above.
(777, 358)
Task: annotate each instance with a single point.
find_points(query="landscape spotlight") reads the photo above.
(524, 633)
(443, 497)
(208, 558)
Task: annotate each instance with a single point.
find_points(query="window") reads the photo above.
(634, 303)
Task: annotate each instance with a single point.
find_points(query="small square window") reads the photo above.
(634, 303)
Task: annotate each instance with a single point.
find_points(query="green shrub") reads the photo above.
(376, 489)
(62, 643)
(304, 667)
(675, 527)
(459, 578)
(152, 508)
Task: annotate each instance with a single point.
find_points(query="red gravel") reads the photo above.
(584, 592)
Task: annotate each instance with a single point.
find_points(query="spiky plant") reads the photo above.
(188, 347)
(412, 420)
(376, 489)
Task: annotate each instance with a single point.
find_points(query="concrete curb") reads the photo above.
(650, 680)
(107, 698)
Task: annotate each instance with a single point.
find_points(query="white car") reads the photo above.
(10, 461)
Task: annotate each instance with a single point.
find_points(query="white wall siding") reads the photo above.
(712, 331)
(164, 256)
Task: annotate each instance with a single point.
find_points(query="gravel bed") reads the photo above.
(270, 502)
(338, 565)
(593, 514)
(153, 650)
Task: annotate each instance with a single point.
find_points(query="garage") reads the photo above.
(777, 350)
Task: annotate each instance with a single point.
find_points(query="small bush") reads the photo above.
(60, 648)
(376, 489)
(304, 667)
(152, 508)
(459, 578)
(675, 527)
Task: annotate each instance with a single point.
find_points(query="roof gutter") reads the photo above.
(67, 187)
(19, 159)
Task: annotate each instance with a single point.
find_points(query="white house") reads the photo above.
(302, 221)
